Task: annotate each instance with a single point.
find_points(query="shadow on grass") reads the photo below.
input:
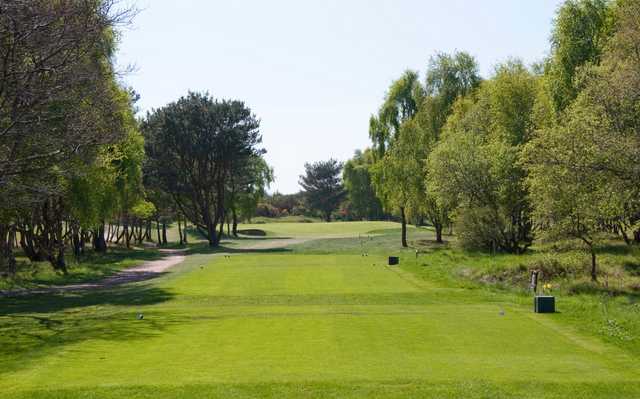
(223, 249)
(126, 295)
(633, 267)
(590, 288)
(35, 326)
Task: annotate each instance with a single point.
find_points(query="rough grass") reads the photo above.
(90, 267)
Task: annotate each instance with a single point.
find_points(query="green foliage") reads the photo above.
(448, 78)
(475, 169)
(581, 30)
(584, 169)
(363, 203)
(251, 186)
(323, 189)
(195, 146)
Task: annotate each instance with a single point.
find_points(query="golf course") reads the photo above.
(319, 200)
(258, 320)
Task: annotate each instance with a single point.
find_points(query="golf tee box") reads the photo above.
(394, 260)
(544, 304)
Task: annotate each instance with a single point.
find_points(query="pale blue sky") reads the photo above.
(314, 71)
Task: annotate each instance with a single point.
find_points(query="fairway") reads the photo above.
(294, 325)
(335, 229)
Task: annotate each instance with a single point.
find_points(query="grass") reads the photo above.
(90, 267)
(320, 320)
(335, 229)
(286, 219)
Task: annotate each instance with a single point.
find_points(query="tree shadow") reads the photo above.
(36, 325)
(48, 302)
(590, 288)
(222, 249)
(616, 249)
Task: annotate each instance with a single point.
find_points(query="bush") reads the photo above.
(488, 229)
(475, 229)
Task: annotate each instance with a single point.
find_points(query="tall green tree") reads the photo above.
(193, 145)
(247, 187)
(474, 169)
(398, 176)
(323, 189)
(400, 105)
(580, 32)
(411, 119)
(360, 191)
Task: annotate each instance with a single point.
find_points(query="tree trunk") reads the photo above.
(99, 241)
(594, 270)
(404, 227)
(147, 231)
(234, 216)
(212, 235)
(221, 232)
(327, 217)
(58, 262)
(164, 233)
(75, 241)
(180, 232)
(127, 236)
(117, 233)
(7, 259)
(184, 233)
(438, 227)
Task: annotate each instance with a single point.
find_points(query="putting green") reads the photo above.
(275, 325)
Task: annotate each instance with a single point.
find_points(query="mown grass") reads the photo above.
(335, 229)
(609, 309)
(326, 318)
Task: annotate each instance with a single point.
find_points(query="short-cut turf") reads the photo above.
(333, 229)
(300, 325)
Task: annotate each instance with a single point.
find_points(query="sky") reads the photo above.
(315, 71)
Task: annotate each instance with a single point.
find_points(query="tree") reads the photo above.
(56, 87)
(360, 191)
(584, 170)
(323, 187)
(401, 103)
(411, 119)
(398, 176)
(194, 144)
(474, 168)
(247, 187)
(572, 199)
(60, 104)
(448, 78)
(580, 32)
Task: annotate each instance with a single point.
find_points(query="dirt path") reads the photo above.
(151, 269)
